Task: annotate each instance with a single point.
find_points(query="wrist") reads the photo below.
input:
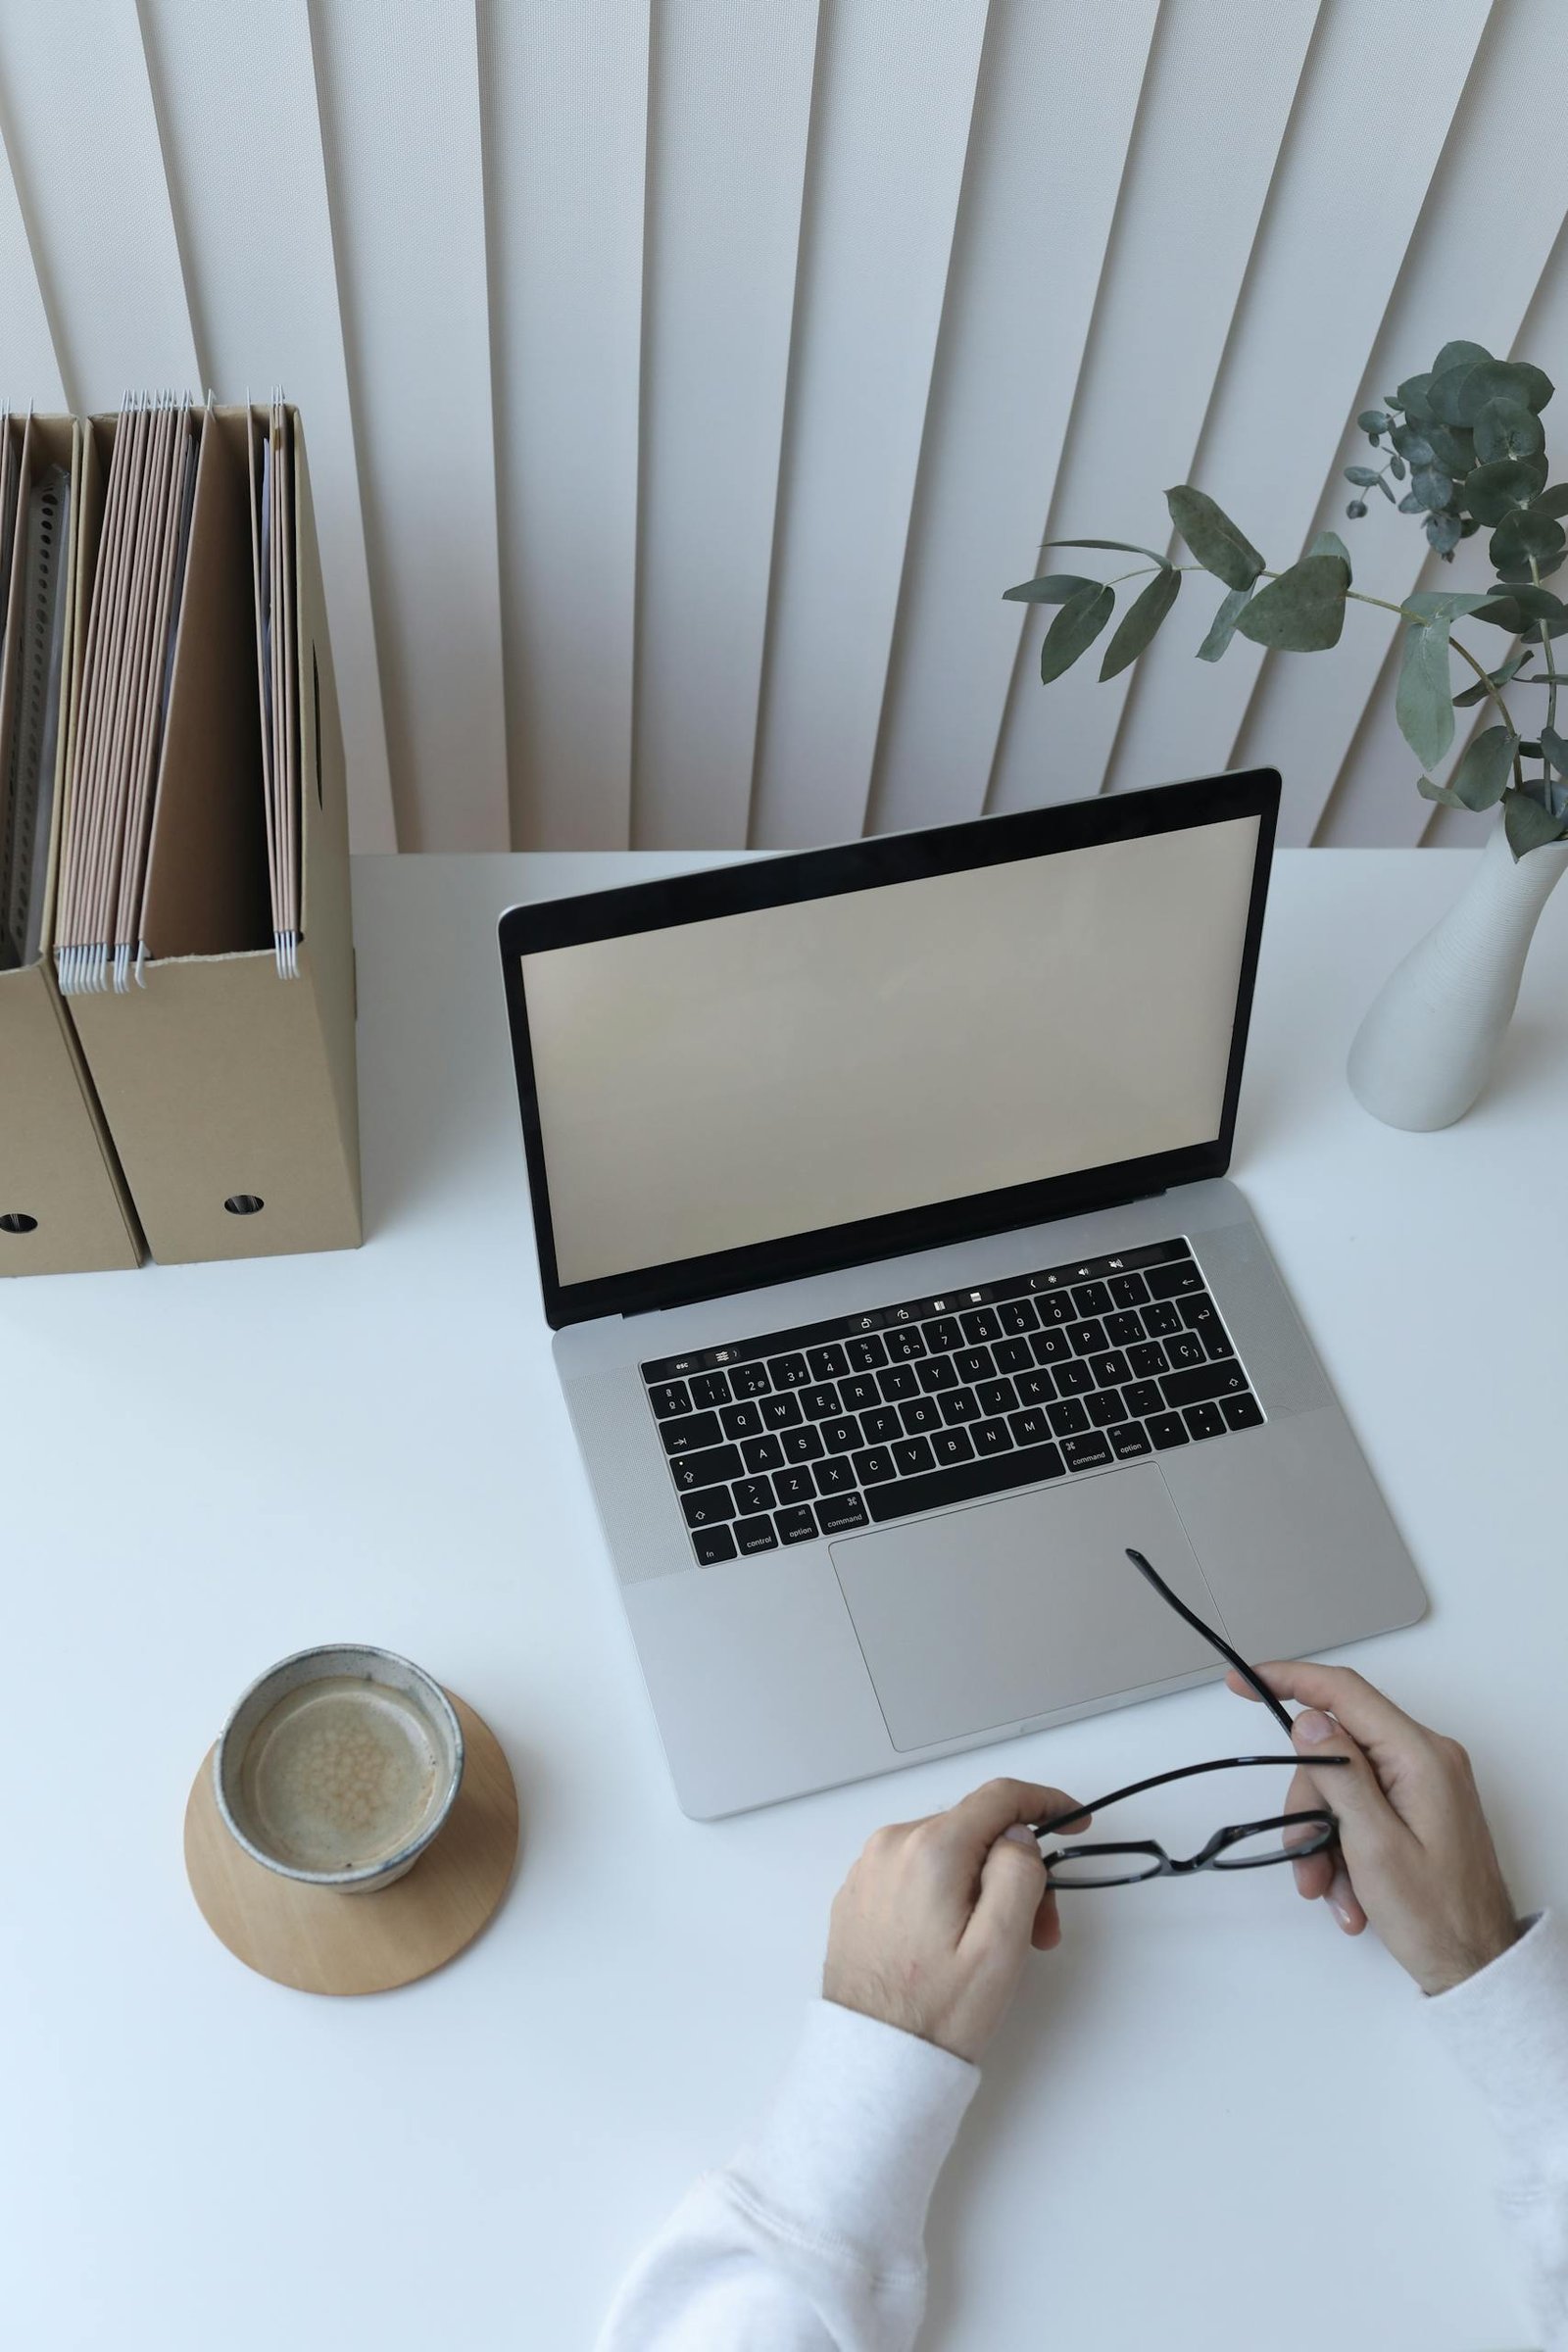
(1465, 1960)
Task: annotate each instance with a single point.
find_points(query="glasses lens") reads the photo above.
(1106, 1869)
(1277, 1844)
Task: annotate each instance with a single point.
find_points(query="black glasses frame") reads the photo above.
(1320, 1827)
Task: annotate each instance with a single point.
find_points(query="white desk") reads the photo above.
(1209, 2123)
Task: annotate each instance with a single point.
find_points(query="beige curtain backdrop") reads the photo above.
(685, 379)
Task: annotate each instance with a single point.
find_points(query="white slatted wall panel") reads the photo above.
(685, 379)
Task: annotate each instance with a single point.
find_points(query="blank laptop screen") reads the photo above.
(727, 1082)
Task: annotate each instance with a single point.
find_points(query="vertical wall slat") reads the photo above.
(895, 85)
(1053, 119)
(82, 137)
(242, 145)
(1339, 218)
(729, 111)
(398, 92)
(30, 372)
(1197, 180)
(566, 128)
(1478, 255)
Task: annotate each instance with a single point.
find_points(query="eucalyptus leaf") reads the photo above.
(1222, 628)
(1500, 379)
(1413, 445)
(1383, 485)
(1302, 612)
(1527, 533)
(1442, 533)
(1356, 509)
(1494, 678)
(1075, 628)
(1526, 607)
(1553, 501)
(1213, 538)
(1528, 825)
(1422, 702)
(1138, 622)
(1483, 767)
(1365, 476)
(1452, 450)
(1397, 468)
(1459, 355)
(1329, 543)
(1411, 397)
(1438, 791)
(1506, 428)
(1410, 503)
(1493, 491)
(1446, 392)
(1445, 604)
(1373, 420)
(1119, 547)
(1051, 588)
(1430, 489)
(1554, 746)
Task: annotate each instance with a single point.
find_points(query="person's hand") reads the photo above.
(931, 1928)
(1415, 1856)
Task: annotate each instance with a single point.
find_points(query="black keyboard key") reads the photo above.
(712, 1544)
(756, 1534)
(828, 1363)
(922, 1413)
(710, 1388)
(841, 1436)
(1030, 1427)
(669, 1397)
(1035, 1387)
(860, 1392)
(942, 1335)
(1143, 1397)
(1216, 1341)
(1160, 1319)
(982, 1324)
(936, 1373)
(960, 1405)
(796, 1525)
(742, 1420)
(1092, 1298)
(866, 1354)
(1210, 1379)
(1074, 1378)
(820, 1403)
(1127, 1440)
(1128, 1289)
(1147, 1359)
(896, 1384)
(911, 1455)
(839, 1512)
(1019, 1315)
(902, 1345)
(749, 1380)
(795, 1486)
(709, 1468)
(882, 1426)
(1242, 1412)
(1184, 1348)
(1171, 1282)
(1068, 1419)
(1087, 1339)
(789, 1371)
(1124, 1331)
(966, 1481)
(1204, 1421)
(952, 1446)
(1012, 1356)
(999, 1395)
(875, 1465)
(1105, 1407)
(1198, 1311)
(708, 1505)
(763, 1453)
(834, 1476)
(1111, 1369)
(1167, 1430)
(779, 1412)
(974, 1363)
(753, 1494)
(1087, 1454)
(691, 1431)
(1050, 1347)
(803, 1444)
(992, 1437)
(1057, 1309)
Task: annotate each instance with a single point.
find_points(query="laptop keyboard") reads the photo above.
(869, 1418)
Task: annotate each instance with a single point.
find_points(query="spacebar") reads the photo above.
(965, 1482)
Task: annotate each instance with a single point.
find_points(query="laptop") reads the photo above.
(898, 1285)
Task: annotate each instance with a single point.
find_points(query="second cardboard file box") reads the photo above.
(226, 1078)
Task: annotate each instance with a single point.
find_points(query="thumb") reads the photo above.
(1349, 1788)
(1012, 1879)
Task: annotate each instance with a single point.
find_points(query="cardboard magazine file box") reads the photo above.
(228, 1089)
(64, 1208)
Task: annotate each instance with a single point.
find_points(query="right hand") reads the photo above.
(1415, 1857)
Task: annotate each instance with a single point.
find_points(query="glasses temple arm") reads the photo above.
(1215, 1641)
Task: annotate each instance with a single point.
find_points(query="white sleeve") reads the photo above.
(1508, 2030)
(813, 2238)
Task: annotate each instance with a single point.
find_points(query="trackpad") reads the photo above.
(990, 1615)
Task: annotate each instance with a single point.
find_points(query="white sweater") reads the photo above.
(811, 2240)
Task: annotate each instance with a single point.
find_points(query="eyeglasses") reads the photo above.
(1242, 1845)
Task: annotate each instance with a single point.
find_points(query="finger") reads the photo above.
(974, 1825)
(1011, 1882)
(1046, 1933)
(1367, 1713)
(1350, 1789)
(1345, 1903)
(1314, 1873)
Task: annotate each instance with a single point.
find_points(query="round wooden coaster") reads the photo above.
(321, 1940)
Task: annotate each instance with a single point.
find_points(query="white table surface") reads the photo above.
(1209, 2121)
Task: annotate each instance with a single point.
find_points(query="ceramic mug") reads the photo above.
(338, 1766)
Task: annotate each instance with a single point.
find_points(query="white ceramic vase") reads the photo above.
(1421, 1055)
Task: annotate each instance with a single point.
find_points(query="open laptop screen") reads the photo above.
(724, 1083)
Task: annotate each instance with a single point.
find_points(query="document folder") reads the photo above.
(63, 1204)
(223, 1055)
